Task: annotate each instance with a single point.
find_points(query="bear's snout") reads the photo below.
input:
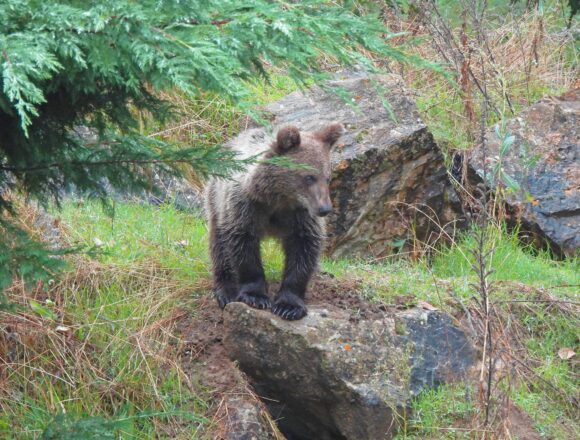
(323, 211)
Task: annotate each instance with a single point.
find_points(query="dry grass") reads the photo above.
(511, 59)
(98, 342)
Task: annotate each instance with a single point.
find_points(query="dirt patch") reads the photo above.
(515, 423)
(235, 411)
(327, 291)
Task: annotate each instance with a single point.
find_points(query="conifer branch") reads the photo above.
(101, 64)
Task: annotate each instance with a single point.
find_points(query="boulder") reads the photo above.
(544, 160)
(389, 183)
(333, 375)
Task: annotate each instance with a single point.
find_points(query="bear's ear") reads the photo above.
(287, 139)
(330, 134)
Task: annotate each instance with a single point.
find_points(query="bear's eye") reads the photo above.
(310, 179)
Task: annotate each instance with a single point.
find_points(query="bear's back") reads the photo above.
(220, 193)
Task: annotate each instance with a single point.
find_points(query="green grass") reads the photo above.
(436, 411)
(499, 9)
(547, 417)
(176, 240)
(109, 360)
(116, 356)
(278, 87)
(511, 262)
(450, 271)
(550, 329)
(153, 260)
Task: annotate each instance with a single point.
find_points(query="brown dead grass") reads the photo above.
(87, 353)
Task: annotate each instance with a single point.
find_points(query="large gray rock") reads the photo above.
(332, 375)
(389, 183)
(545, 160)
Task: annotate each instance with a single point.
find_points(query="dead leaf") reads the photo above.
(425, 305)
(342, 165)
(566, 353)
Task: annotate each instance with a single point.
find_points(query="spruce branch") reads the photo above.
(100, 65)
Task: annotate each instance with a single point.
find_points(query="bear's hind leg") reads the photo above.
(224, 279)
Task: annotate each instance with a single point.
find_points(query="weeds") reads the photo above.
(526, 54)
(100, 342)
(105, 347)
(436, 411)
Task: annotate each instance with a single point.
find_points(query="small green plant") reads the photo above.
(435, 411)
(67, 427)
(498, 174)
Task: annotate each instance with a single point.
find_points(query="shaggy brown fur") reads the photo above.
(270, 200)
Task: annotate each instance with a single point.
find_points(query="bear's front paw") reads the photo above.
(255, 294)
(254, 299)
(224, 297)
(290, 307)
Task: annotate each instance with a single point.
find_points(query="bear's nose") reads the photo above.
(323, 211)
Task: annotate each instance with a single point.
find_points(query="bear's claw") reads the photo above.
(255, 300)
(288, 311)
(223, 299)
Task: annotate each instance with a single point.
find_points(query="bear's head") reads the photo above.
(305, 186)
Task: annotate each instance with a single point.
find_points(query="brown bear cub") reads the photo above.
(269, 200)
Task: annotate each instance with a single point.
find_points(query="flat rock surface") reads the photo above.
(545, 161)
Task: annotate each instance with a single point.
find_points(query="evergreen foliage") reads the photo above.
(19, 252)
(66, 64)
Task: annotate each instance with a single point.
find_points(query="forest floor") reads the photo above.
(131, 335)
